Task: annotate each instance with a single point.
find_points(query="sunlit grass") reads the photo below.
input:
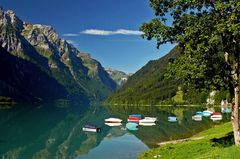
(216, 144)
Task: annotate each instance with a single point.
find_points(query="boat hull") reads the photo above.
(113, 124)
(197, 117)
(91, 129)
(113, 120)
(172, 119)
(132, 126)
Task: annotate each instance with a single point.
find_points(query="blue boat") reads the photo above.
(136, 115)
(207, 113)
(172, 119)
(132, 126)
(199, 113)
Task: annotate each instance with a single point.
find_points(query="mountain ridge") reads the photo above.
(42, 46)
(119, 77)
(148, 86)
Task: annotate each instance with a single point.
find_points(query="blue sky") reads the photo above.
(107, 29)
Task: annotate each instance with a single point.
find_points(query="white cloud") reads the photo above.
(108, 32)
(97, 32)
(70, 34)
(128, 32)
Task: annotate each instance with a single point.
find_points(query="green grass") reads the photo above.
(216, 144)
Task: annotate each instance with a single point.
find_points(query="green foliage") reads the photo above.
(178, 98)
(148, 85)
(204, 32)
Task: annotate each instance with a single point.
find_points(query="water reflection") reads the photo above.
(48, 132)
(164, 130)
(51, 132)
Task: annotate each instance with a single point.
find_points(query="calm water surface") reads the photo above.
(50, 132)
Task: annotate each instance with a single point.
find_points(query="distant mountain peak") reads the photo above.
(119, 77)
(10, 18)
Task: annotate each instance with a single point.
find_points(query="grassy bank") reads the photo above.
(216, 143)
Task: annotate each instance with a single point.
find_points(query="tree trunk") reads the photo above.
(235, 117)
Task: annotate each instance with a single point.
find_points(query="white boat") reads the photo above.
(113, 124)
(197, 117)
(147, 124)
(113, 120)
(91, 128)
(148, 120)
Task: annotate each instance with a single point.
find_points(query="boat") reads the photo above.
(113, 120)
(147, 124)
(172, 119)
(91, 128)
(113, 124)
(207, 113)
(148, 120)
(134, 119)
(135, 116)
(132, 126)
(197, 117)
(199, 113)
(216, 116)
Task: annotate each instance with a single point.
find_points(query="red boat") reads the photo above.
(134, 119)
(216, 113)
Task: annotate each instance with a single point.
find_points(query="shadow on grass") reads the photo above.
(225, 141)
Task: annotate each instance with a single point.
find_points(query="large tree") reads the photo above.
(208, 34)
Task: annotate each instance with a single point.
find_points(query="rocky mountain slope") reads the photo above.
(119, 77)
(76, 72)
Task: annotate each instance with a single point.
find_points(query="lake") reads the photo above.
(48, 131)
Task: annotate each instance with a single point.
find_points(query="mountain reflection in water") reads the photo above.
(51, 132)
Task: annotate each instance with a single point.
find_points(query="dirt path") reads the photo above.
(180, 140)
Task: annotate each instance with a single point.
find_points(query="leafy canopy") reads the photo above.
(208, 33)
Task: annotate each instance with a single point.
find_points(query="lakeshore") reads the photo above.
(216, 142)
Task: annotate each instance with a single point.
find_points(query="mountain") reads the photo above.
(148, 85)
(119, 77)
(76, 74)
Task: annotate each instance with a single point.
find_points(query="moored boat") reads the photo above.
(216, 116)
(147, 124)
(91, 128)
(172, 119)
(207, 113)
(148, 120)
(197, 117)
(134, 119)
(132, 126)
(113, 120)
(113, 124)
(199, 113)
(136, 116)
